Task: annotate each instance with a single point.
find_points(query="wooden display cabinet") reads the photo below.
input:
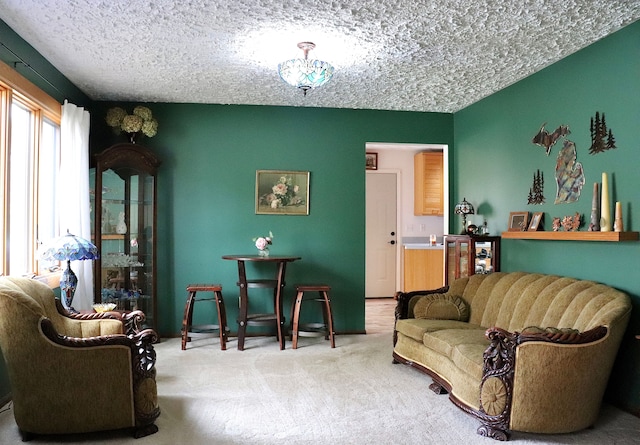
(124, 216)
(466, 255)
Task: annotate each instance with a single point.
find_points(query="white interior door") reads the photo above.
(381, 240)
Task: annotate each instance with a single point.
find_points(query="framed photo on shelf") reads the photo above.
(518, 221)
(282, 192)
(371, 161)
(536, 219)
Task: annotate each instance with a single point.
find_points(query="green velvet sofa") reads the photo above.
(75, 373)
(519, 351)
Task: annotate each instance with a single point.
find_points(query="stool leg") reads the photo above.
(222, 320)
(328, 321)
(296, 320)
(187, 319)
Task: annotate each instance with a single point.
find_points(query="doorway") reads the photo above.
(398, 158)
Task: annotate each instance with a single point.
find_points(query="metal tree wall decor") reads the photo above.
(601, 137)
(547, 140)
(536, 195)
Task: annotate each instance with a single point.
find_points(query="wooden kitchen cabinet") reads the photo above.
(423, 269)
(429, 183)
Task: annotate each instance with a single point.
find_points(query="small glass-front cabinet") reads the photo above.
(124, 225)
(466, 255)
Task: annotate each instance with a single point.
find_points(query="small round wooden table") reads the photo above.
(277, 284)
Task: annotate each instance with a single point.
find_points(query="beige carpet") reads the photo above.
(352, 394)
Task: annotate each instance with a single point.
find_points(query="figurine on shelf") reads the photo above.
(105, 221)
(569, 223)
(121, 227)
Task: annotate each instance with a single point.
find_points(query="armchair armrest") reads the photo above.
(131, 320)
(143, 359)
(140, 344)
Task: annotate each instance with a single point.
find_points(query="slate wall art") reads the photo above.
(569, 174)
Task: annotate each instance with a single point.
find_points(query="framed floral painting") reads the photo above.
(282, 192)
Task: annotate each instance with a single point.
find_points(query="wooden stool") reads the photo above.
(205, 330)
(312, 329)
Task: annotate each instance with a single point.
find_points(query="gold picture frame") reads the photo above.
(536, 220)
(282, 192)
(518, 221)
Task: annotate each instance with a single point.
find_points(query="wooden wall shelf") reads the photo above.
(573, 236)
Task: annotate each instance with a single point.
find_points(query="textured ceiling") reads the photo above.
(415, 55)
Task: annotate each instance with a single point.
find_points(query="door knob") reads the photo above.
(393, 233)
(392, 242)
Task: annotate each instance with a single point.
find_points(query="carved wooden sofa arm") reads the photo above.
(132, 320)
(143, 359)
(496, 387)
(402, 305)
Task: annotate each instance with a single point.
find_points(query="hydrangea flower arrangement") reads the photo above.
(140, 122)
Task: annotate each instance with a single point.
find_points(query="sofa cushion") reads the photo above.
(445, 341)
(441, 307)
(469, 357)
(417, 327)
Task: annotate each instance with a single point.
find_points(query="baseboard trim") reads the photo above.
(5, 399)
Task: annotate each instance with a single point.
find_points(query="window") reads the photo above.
(29, 160)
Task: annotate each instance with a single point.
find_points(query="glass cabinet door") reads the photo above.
(124, 229)
(468, 255)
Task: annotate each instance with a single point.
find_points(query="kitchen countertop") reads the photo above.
(422, 246)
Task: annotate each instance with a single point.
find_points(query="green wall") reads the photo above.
(206, 189)
(494, 162)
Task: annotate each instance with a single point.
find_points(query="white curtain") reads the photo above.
(73, 193)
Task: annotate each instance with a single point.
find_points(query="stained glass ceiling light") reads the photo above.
(305, 73)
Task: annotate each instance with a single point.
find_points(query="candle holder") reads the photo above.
(594, 222)
(618, 225)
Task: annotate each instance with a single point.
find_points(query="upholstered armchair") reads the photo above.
(75, 374)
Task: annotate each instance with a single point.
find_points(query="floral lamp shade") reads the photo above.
(69, 248)
(464, 208)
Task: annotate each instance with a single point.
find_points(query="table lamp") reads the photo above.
(464, 208)
(70, 248)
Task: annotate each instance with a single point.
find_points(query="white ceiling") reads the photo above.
(414, 55)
